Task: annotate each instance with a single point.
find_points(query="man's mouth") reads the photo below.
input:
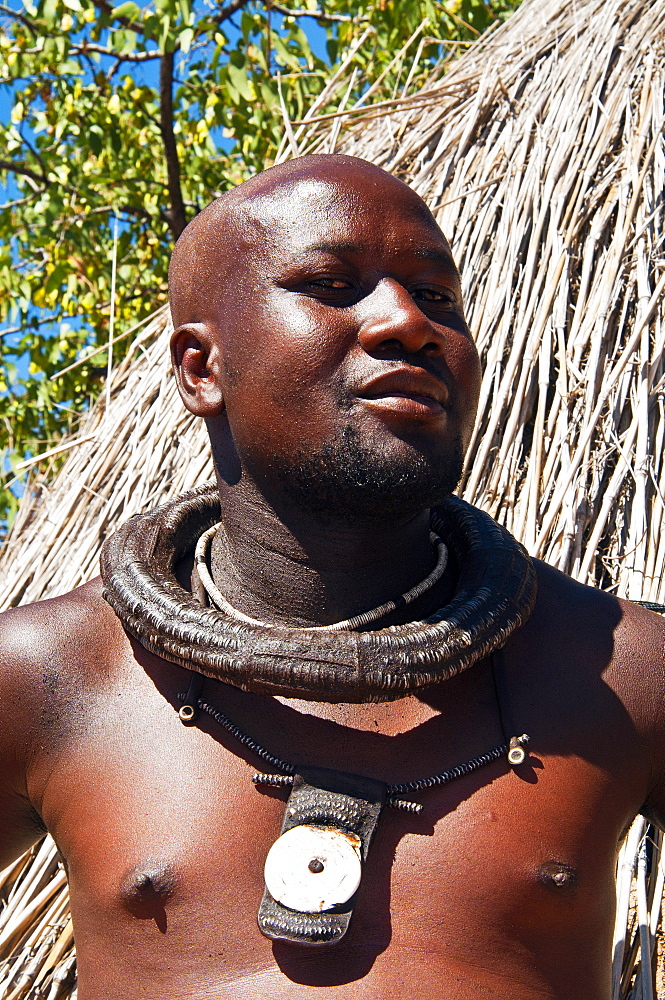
(406, 391)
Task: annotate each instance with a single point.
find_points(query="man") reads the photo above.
(319, 331)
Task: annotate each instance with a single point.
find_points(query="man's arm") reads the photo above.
(21, 646)
(641, 655)
(56, 658)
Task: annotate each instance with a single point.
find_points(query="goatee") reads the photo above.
(348, 481)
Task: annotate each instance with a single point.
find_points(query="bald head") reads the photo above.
(214, 242)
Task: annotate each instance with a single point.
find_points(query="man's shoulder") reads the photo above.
(587, 671)
(583, 609)
(80, 612)
(588, 634)
(57, 642)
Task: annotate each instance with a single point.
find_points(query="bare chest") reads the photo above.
(165, 839)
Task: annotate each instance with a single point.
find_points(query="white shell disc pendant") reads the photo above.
(312, 869)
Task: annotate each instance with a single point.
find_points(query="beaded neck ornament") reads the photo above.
(358, 621)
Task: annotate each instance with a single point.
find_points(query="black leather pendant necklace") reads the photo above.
(313, 870)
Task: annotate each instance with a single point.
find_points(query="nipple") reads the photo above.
(147, 882)
(558, 877)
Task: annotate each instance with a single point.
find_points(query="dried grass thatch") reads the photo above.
(542, 154)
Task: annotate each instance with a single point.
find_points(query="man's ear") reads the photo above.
(195, 357)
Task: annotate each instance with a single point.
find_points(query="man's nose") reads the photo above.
(391, 319)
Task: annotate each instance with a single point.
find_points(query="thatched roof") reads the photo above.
(541, 152)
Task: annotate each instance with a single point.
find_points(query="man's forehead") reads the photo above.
(338, 200)
(336, 215)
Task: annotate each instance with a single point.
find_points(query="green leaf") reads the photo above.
(185, 39)
(165, 36)
(186, 12)
(50, 12)
(128, 9)
(239, 80)
(96, 138)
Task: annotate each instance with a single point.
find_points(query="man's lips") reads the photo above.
(406, 391)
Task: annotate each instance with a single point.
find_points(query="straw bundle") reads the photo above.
(541, 152)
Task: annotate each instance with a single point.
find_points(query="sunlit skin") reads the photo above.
(315, 306)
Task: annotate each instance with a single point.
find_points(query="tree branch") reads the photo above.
(23, 201)
(175, 215)
(106, 8)
(141, 213)
(148, 181)
(81, 50)
(18, 17)
(320, 15)
(38, 322)
(20, 168)
(231, 8)
(35, 153)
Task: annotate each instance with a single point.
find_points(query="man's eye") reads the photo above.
(433, 295)
(332, 284)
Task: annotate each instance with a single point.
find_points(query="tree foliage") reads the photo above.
(135, 117)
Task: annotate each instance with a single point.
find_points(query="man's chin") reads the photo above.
(350, 481)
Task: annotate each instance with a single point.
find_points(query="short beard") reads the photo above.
(347, 481)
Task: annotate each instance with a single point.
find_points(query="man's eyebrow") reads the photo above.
(334, 248)
(436, 254)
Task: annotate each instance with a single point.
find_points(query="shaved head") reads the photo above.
(216, 239)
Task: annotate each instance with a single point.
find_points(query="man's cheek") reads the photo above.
(465, 367)
(299, 385)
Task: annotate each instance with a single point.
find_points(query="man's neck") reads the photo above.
(311, 571)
